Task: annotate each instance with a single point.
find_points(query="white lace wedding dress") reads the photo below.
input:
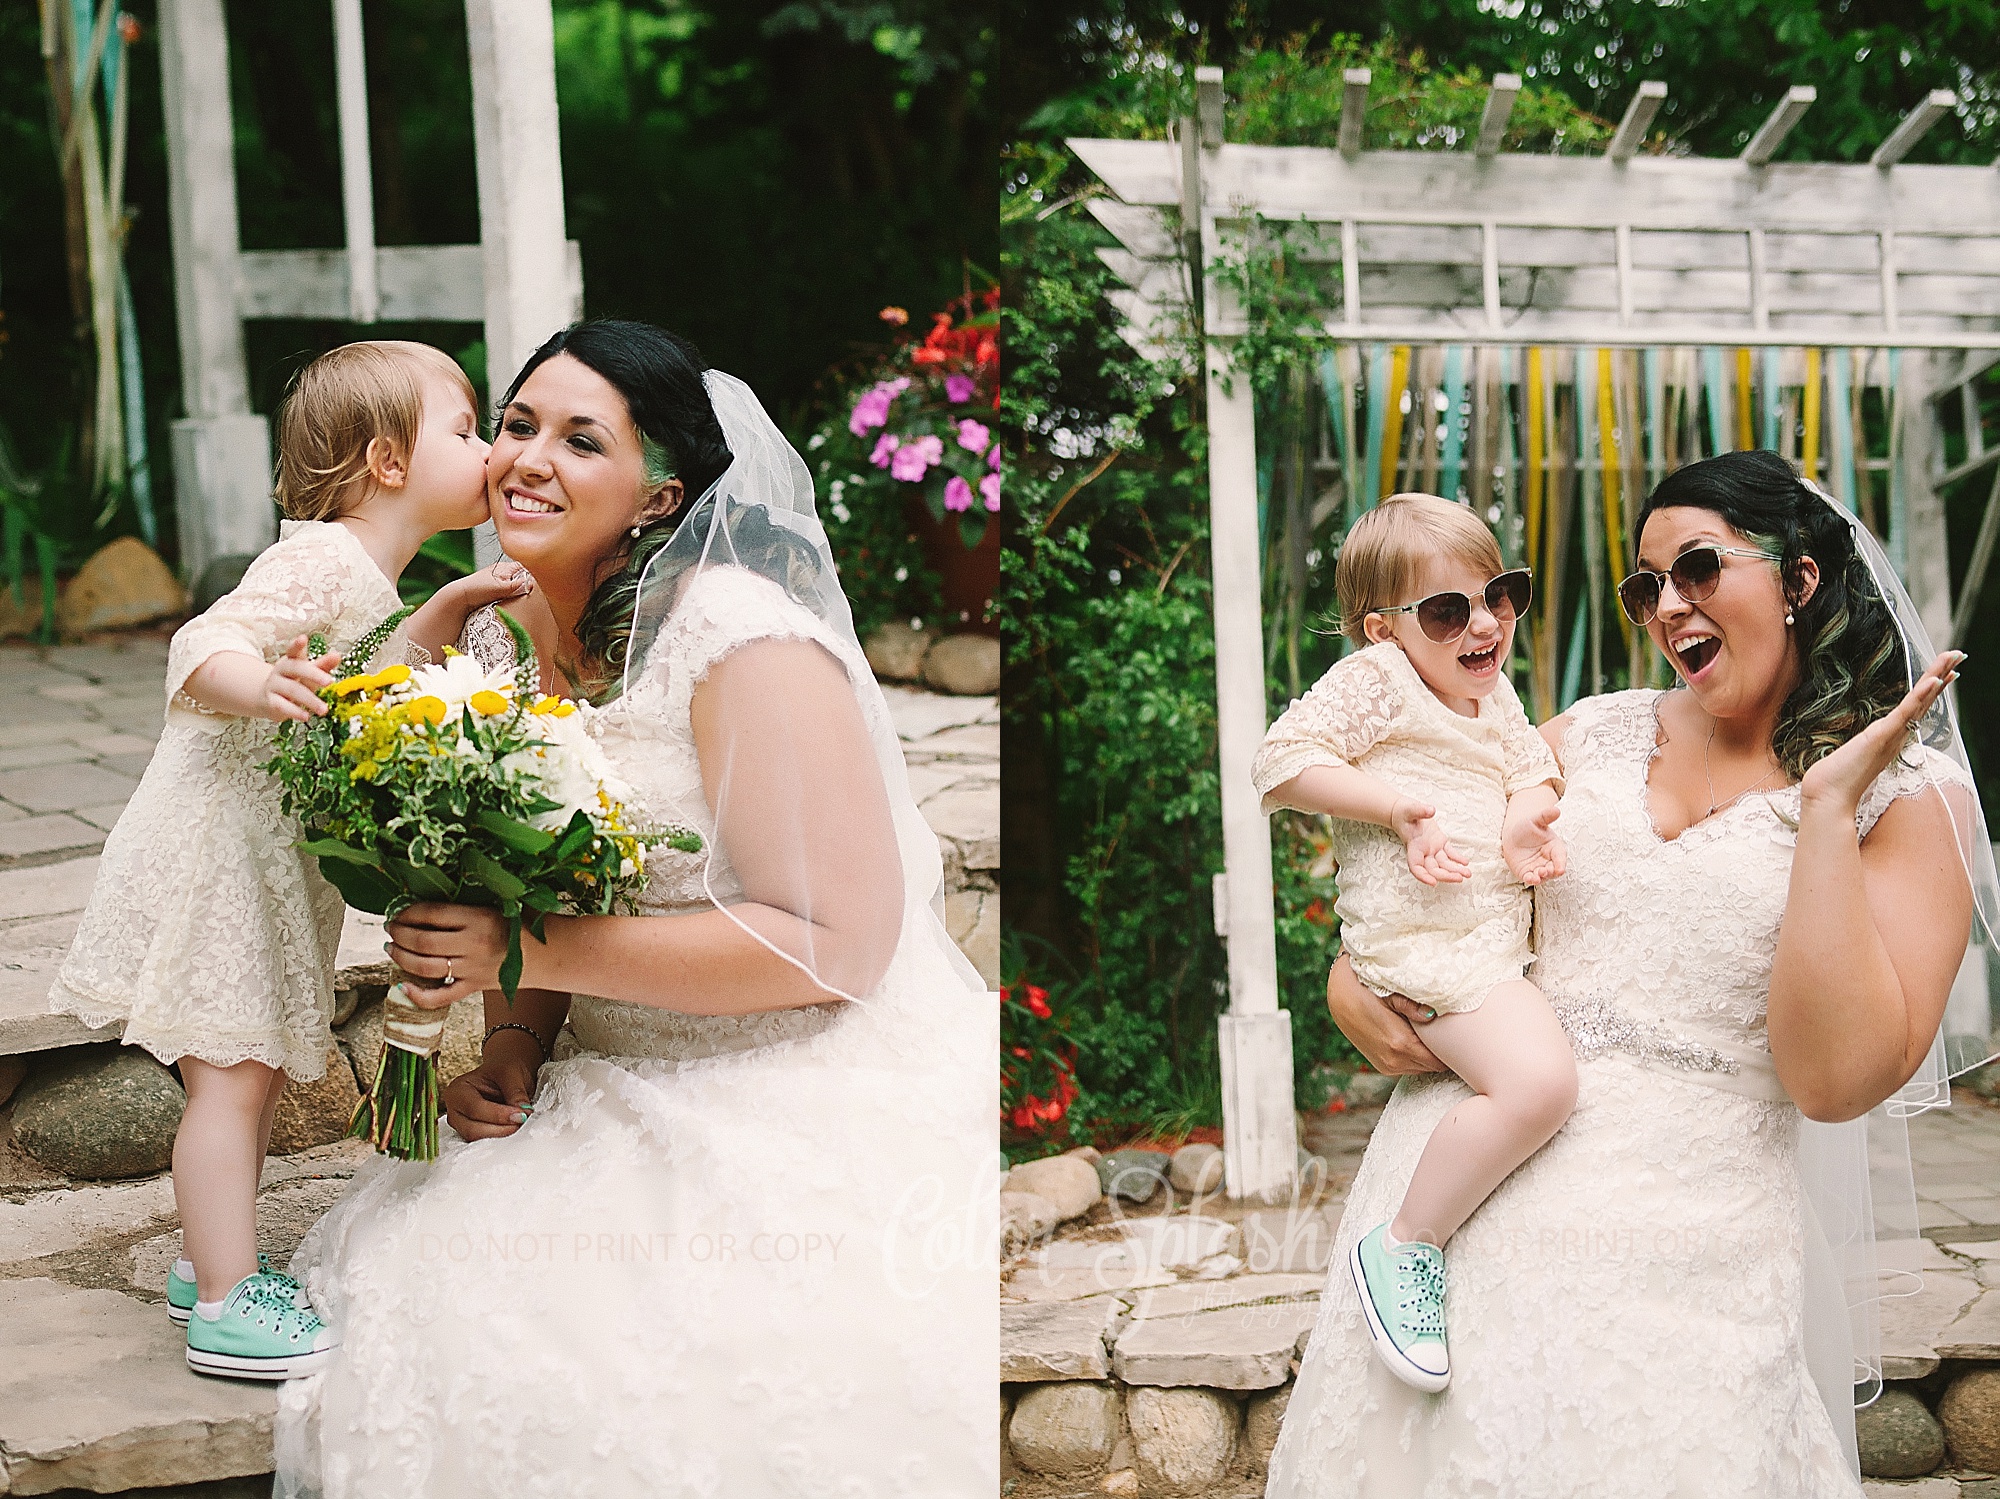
(726, 1257)
(1625, 1312)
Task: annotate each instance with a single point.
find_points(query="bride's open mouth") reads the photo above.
(1694, 653)
(1482, 663)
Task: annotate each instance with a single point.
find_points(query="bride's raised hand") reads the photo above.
(496, 1097)
(1843, 777)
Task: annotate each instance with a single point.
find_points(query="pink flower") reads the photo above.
(958, 389)
(989, 488)
(993, 458)
(885, 446)
(915, 458)
(973, 437)
(872, 410)
(957, 494)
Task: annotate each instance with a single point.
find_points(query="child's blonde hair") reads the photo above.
(341, 402)
(1386, 550)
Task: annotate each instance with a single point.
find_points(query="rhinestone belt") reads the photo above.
(1595, 1026)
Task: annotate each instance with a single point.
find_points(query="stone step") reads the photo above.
(95, 1394)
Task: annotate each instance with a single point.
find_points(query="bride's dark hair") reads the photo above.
(660, 376)
(1851, 662)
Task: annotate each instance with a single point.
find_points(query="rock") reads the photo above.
(1069, 1184)
(95, 1396)
(1180, 1243)
(964, 665)
(1125, 1483)
(1182, 1440)
(315, 1113)
(22, 616)
(1295, 1238)
(1197, 1170)
(1217, 1267)
(1064, 1429)
(1366, 1089)
(219, 577)
(896, 651)
(1970, 1413)
(1985, 1081)
(100, 1112)
(1041, 1341)
(1134, 1175)
(12, 1070)
(972, 917)
(124, 583)
(1911, 1325)
(1236, 1348)
(1261, 1420)
(1899, 1437)
(1089, 1154)
(1025, 1218)
(1976, 1332)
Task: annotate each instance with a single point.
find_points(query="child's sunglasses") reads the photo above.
(1443, 617)
(1694, 574)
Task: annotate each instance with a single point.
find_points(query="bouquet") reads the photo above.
(453, 783)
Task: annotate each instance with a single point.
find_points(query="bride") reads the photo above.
(727, 1234)
(1760, 925)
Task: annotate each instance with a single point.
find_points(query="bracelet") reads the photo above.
(514, 1025)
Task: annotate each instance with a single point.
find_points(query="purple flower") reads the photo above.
(909, 464)
(989, 489)
(957, 494)
(885, 446)
(872, 410)
(958, 389)
(993, 458)
(973, 437)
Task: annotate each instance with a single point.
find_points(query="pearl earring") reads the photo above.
(635, 532)
(1788, 616)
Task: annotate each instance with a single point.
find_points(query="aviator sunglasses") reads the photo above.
(1694, 575)
(1443, 617)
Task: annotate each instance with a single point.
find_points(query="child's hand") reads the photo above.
(504, 580)
(292, 688)
(1532, 849)
(1432, 858)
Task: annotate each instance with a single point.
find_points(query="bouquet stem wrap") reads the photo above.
(399, 1112)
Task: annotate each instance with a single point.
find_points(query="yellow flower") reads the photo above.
(426, 709)
(488, 702)
(562, 710)
(388, 676)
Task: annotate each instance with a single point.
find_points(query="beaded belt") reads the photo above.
(1595, 1025)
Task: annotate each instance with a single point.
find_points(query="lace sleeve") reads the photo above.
(725, 609)
(1342, 716)
(1916, 771)
(1530, 761)
(294, 588)
(486, 639)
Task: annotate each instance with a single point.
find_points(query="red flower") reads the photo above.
(1038, 1003)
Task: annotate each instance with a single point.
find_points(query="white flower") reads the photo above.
(453, 681)
(572, 769)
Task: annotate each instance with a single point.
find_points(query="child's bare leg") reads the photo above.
(216, 1154)
(264, 1124)
(1512, 1050)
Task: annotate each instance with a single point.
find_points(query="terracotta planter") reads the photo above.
(971, 574)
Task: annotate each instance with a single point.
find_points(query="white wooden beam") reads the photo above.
(429, 283)
(1778, 124)
(1350, 273)
(1354, 110)
(1208, 105)
(1499, 107)
(357, 176)
(1916, 125)
(1638, 120)
(221, 449)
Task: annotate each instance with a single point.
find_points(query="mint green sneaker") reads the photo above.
(261, 1333)
(182, 1295)
(1402, 1295)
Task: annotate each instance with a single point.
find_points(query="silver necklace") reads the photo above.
(1708, 775)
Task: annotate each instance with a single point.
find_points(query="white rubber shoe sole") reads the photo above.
(1393, 1358)
(235, 1366)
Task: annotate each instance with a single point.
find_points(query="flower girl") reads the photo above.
(1444, 797)
(208, 935)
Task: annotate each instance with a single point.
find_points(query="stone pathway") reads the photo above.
(94, 1392)
(1212, 1298)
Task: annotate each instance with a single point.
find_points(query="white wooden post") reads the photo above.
(529, 293)
(357, 173)
(1260, 1129)
(1927, 565)
(221, 449)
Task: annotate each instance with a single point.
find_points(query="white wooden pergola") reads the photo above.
(522, 281)
(1511, 277)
